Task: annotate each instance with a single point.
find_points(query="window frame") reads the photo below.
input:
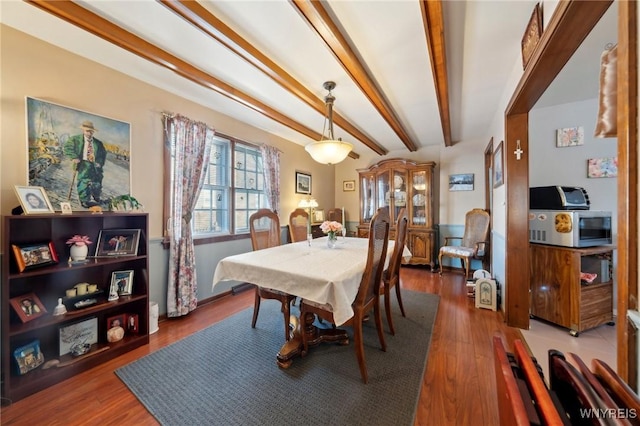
(208, 238)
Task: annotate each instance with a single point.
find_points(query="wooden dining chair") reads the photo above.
(391, 275)
(619, 390)
(298, 225)
(334, 215)
(368, 296)
(264, 227)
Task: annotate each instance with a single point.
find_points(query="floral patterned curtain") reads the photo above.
(271, 161)
(190, 143)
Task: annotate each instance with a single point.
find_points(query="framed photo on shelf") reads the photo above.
(118, 242)
(28, 357)
(85, 331)
(348, 185)
(318, 216)
(498, 166)
(31, 256)
(33, 199)
(303, 183)
(132, 324)
(116, 321)
(122, 282)
(28, 307)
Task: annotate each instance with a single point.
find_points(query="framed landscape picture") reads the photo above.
(303, 183)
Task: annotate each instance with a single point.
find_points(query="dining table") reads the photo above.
(309, 270)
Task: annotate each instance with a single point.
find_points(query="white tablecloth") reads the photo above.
(315, 272)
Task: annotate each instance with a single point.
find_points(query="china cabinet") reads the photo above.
(396, 184)
(37, 267)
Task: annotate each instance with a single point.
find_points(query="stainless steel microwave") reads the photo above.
(570, 228)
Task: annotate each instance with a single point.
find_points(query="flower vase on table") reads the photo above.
(331, 228)
(79, 248)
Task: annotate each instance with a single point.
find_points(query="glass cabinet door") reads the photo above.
(384, 190)
(399, 198)
(419, 204)
(368, 196)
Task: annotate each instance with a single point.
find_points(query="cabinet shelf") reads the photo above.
(51, 282)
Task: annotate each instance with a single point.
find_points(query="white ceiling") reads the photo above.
(482, 39)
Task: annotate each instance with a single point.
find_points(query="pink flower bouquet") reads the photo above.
(79, 240)
(331, 227)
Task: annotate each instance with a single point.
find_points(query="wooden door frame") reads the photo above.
(570, 24)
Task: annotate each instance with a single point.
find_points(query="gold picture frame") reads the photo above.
(532, 35)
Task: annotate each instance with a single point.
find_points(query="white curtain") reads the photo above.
(190, 142)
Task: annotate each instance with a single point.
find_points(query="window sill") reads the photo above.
(211, 239)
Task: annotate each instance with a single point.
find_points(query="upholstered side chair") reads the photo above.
(474, 244)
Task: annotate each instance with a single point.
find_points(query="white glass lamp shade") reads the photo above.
(329, 151)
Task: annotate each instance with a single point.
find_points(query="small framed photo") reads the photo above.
(122, 282)
(28, 357)
(81, 332)
(303, 183)
(31, 256)
(132, 324)
(33, 199)
(118, 242)
(116, 321)
(65, 208)
(28, 307)
(348, 185)
(318, 216)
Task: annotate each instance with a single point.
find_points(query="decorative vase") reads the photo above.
(332, 240)
(78, 252)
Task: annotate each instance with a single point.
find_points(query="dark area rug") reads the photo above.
(227, 374)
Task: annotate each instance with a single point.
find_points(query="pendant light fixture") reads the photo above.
(328, 150)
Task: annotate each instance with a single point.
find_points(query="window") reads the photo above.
(233, 189)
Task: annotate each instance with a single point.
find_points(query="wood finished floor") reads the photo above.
(458, 386)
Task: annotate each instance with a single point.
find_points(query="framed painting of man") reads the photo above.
(76, 156)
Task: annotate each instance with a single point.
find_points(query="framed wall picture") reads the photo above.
(33, 199)
(569, 136)
(118, 242)
(461, 182)
(28, 307)
(29, 256)
(123, 282)
(605, 167)
(532, 34)
(303, 183)
(81, 332)
(56, 131)
(348, 185)
(498, 165)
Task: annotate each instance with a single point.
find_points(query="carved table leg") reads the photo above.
(315, 336)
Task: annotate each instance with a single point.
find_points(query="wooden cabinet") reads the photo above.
(396, 184)
(560, 296)
(50, 281)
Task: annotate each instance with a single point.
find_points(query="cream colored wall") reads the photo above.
(31, 67)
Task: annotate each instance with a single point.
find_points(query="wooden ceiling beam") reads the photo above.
(316, 15)
(201, 18)
(433, 22)
(98, 26)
